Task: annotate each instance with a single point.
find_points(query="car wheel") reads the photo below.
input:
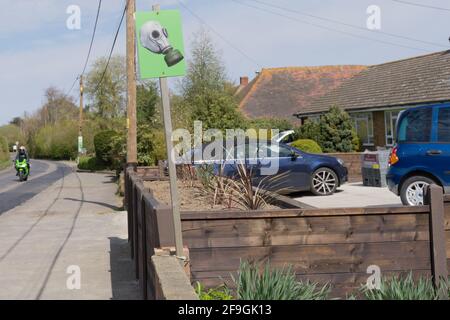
(324, 182)
(413, 189)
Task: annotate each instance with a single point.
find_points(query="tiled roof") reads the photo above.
(280, 92)
(417, 80)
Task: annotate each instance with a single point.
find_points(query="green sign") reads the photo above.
(80, 144)
(160, 45)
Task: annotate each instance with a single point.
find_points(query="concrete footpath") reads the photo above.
(67, 242)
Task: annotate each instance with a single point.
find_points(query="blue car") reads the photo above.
(421, 155)
(292, 169)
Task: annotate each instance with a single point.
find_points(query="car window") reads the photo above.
(274, 151)
(415, 126)
(444, 125)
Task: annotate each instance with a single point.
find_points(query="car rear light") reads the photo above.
(393, 158)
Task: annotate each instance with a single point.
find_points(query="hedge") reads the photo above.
(307, 145)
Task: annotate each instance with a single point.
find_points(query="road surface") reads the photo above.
(43, 174)
(63, 236)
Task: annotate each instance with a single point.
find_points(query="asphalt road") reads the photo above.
(43, 174)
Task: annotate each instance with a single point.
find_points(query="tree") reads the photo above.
(204, 91)
(206, 70)
(146, 100)
(57, 107)
(11, 133)
(334, 131)
(108, 98)
(17, 121)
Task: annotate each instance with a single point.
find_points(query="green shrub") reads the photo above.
(307, 145)
(274, 284)
(404, 288)
(103, 144)
(334, 131)
(218, 293)
(57, 142)
(12, 134)
(89, 163)
(4, 150)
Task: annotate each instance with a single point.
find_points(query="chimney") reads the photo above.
(243, 81)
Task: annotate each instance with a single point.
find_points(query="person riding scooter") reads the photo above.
(22, 155)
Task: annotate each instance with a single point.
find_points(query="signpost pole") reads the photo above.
(171, 164)
(80, 120)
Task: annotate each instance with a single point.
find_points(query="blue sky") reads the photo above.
(38, 51)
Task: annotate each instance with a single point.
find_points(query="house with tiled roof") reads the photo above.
(280, 92)
(375, 96)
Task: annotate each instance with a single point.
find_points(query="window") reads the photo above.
(314, 118)
(415, 126)
(363, 124)
(444, 125)
(390, 118)
(274, 151)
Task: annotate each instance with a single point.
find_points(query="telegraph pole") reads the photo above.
(80, 120)
(131, 86)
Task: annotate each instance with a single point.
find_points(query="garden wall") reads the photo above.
(352, 162)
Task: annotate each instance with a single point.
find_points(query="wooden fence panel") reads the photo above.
(318, 244)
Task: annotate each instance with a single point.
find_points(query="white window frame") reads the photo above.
(390, 118)
(368, 117)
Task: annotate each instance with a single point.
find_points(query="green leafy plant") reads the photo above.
(89, 163)
(333, 131)
(218, 293)
(404, 288)
(4, 153)
(307, 145)
(103, 143)
(252, 283)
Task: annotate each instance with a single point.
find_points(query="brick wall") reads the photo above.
(379, 134)
(352, 162)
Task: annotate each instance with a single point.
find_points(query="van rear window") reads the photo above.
(415, 126)
(444, 125)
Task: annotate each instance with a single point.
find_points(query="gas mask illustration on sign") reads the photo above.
(154, 37)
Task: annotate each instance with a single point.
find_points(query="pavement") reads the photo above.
(351, 195)
(66, 241)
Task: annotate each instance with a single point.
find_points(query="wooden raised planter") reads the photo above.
(333, 246)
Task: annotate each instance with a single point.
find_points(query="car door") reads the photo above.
(282, 169)
(439, 150)
(414, 137)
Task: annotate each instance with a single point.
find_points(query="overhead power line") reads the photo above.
(73, 85)
(112, 48)
(349, 24)
(93, 36)
(90, 48)
(354, 35)
(415, 4)
(202, 21)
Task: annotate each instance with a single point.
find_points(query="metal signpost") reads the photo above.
(161, 55)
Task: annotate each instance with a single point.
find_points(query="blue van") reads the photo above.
(421, 155)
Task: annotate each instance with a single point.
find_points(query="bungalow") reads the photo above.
(279, 92)
(375, 96)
